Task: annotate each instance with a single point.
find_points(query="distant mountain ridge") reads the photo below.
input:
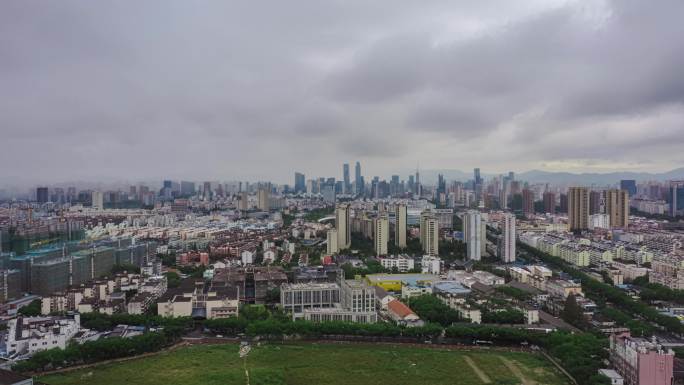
(539, 176)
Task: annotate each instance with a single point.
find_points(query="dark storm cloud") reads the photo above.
(222, 89)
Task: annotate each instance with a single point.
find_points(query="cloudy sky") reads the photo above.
(258, 89)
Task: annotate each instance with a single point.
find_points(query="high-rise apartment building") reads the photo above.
(381, 234)
(596, 202)
(508, 238)
(528, 201)
(617, 208)
(263, 199)
(243, 203)
(578, 208)
(472, 233)
(342, 224)
(429, 233)
(332, 247)
(564, 203)
(400, 225)
(549, 202)
(97, 200)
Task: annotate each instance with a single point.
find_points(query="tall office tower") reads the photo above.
(617, 208)
(595, 202)
(528, 201)
(508, 238)
(42, 195)
(243, 204)
(400, 225)
(441, 184)
(345, 177)
(97, 200)
(511, 175)
(411, 183)
(478, 178)
(629, 185)
(358, 179)
(472, 233)
(549, 202)
(342, 224)
(429, 233)
(332, 247)
(578, 208)
(381, 234)
(676, 198)
(263, 198)
(299, 183)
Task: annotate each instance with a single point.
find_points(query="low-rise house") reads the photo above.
(402, 314)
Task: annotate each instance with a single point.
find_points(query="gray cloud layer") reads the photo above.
(259, 89)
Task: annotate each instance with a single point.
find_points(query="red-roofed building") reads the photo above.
(403, 314)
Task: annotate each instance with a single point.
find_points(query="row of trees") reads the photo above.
(605, 293)
(580, 354)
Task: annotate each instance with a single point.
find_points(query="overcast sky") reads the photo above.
(259, 89)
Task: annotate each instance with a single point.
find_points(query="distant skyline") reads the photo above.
(255, 91)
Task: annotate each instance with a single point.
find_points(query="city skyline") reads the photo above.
(183, 90)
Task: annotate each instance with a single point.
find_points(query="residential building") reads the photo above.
(617, 208)
(402, 314)
(27, 335)
(430, 264)
(97, 200)
(429, 233)
(549, 202)
(342, 224)
(331, 242)
(508, 238)
(263, 199)
(400, 225)
(640, 361)
(472, 234)
(528, 202)
(381, 234)
(578, 208)
(402, 263)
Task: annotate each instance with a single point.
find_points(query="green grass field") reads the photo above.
(321, 364)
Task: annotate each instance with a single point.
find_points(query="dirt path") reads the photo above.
(483, 377)
(516, 371)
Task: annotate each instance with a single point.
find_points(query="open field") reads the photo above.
(321, 364)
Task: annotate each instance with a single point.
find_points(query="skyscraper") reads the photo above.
(578, 208)
(549, 202)
(676, 198)
(400, 225)
(508, 239)
(42, 195)
(358, 179)
(617, 208)
(629, 185)
(342, 226)
(429, 233)
(345, 177)
(300, 183)
(527, 202)
(472, 233)
(381, 234)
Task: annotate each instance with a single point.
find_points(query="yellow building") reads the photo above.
(394, 282)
